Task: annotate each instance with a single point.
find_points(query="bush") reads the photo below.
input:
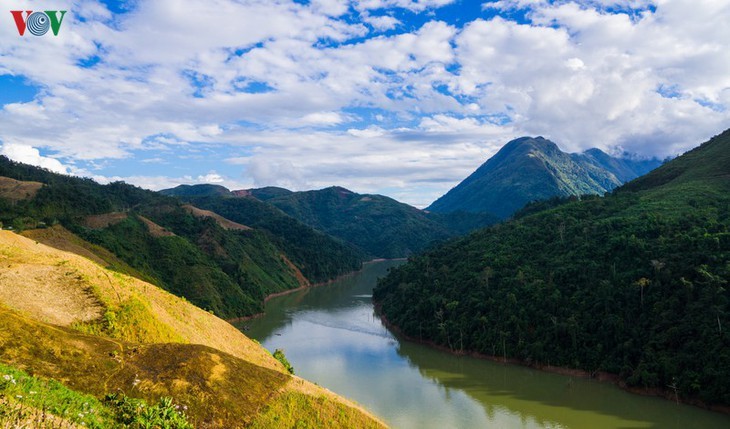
(279, 355)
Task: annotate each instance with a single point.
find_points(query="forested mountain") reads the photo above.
(319, 256)
(530, 169)
(379, 226)
(219, 265)
(196, 190)
(634, 283)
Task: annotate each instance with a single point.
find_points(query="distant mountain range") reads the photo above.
(529, 169)
(379, 226)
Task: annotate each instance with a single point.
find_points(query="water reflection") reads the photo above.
(332, 337)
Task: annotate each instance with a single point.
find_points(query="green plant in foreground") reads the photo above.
(136, 414)
(27, 401)
(32, 402)
(279, 355)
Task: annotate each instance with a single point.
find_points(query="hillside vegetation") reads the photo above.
(319, 256)
(218, 264)
(634, 284)
(379, 225)
(375, 226)
(531, 169)
(99, 332)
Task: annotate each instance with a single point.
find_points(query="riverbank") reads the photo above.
(600, 376)
(309, 286)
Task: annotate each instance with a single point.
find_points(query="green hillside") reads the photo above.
(381, 226)
(318, 256)
(374, 226)
(634, 284)
(529, 169)
(210, 262)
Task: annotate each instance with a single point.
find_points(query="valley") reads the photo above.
(118, 276)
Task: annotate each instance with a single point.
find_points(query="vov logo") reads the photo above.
(38, 23)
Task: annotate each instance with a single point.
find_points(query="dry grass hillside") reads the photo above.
(65, 317)
(223, 222)
(107, 219)
(17, 190)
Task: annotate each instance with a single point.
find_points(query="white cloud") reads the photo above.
(413, 5)
(30, 155)
(382, 23)
(211, 177)
(322, 118)
(416, 109)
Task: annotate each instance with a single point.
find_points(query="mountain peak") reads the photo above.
(534, 168)
(201, 190)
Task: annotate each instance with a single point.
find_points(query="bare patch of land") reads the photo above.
(17, 190)
(223, 222)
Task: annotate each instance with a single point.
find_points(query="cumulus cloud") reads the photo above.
(353, 93)
(30, 155)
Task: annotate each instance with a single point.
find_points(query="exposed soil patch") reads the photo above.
(220, 220)
(104, 220)
(297, 273)
(17, 190)
(54, 295)
(156, 230)
(62, 239)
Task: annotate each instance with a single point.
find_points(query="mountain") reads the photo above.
(85, 346)
(221, 265)
(529, 169)
(197, 190)
(319, 256)
(375, 225)
(381, 226)
(269, 192)
(633, 284)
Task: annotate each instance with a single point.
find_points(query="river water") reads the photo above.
(332, 337)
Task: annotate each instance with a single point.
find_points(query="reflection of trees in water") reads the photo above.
(505, 392)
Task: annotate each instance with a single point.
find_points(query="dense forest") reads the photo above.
(227, 271)
(381, 226)
(319, 256)
(374, 225)
(634, 283)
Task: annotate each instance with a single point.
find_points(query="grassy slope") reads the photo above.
(147, 342)
(634, 283)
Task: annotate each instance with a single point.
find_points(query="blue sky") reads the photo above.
(400, 97)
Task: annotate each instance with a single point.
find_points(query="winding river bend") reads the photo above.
(332, 337)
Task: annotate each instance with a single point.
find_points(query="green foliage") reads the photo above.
(319, 256)
(196, 190)
(279, 355)
(379, 225)
(635, 283)
(136, 414)
(27, 401)
(531, 169)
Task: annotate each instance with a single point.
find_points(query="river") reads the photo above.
(332, 337)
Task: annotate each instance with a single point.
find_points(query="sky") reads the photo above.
(398, 97)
